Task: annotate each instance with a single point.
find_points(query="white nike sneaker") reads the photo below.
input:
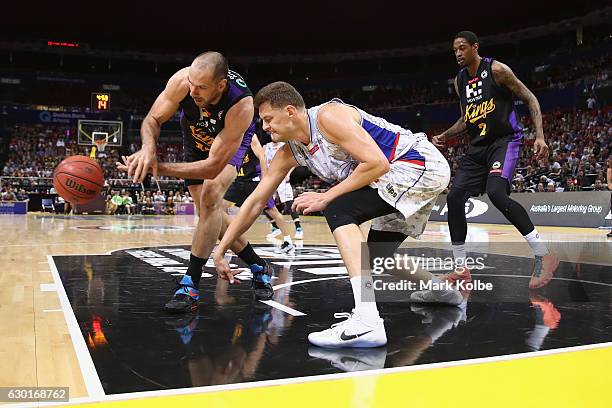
(449, 297)
(352, 332)
(285, 248)
(299, 233)
(351, 359)
(275, 232)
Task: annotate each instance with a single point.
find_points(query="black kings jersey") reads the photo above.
(201, 126)
(488, 109)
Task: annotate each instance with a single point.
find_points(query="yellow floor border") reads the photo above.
(567, 379)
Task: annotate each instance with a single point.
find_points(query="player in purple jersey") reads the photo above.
(486, 89)
(216, 109)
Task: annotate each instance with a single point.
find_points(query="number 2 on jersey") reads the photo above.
(483, 126)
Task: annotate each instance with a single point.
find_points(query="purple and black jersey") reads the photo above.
(488, 109)
(201, 126)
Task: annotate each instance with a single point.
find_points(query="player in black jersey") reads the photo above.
(250, 174)
(486, 90)
(216, 111)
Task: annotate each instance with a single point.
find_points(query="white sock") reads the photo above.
(287, 238)
(365, 303)
(459, 254)
(537, 245)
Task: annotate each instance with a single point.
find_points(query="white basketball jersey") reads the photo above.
(270, 150)
(416, 165)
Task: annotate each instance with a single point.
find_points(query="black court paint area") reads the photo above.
(136, 346)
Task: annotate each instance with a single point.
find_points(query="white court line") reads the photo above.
(282, 307)
(284, 285)
(314, 378)
(298, 263)
(53, 310)
(336, 270)
(64, 243)
(88, 369)
(48, 287)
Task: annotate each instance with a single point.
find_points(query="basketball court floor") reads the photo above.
(81, 306)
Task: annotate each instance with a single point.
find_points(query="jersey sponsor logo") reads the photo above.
(474, 89)
(204, 113)
(476, 111)
(312, 149)
(390, 190)
(484, 74)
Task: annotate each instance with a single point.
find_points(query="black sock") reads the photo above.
(249, 256)
(297, 224)
(274, 225)
(195, 269)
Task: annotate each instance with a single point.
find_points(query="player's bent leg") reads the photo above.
(546, 262)
(210, 200)
(457, 223)
(363, 327)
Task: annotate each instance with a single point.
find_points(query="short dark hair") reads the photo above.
(468, 35)
(215, 61)
(279, 94)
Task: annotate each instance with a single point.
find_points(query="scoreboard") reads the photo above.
(100, 101)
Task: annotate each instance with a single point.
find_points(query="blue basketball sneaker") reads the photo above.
(185, 298)
(262, 281)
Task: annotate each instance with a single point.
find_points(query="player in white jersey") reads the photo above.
(284, 192)
(383, 173)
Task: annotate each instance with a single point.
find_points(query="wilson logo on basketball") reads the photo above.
(76, 186)
(476, 111)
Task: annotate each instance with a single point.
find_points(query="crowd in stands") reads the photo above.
(585, 73)
(145, 202)
(579, 142)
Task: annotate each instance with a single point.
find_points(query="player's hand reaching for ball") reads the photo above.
(438, 140)
(223, 268)
(540, 149)
(139, 164)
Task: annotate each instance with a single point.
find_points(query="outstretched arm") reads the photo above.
(249, 211)
(224, 147)
(164, 107)
(341, 125)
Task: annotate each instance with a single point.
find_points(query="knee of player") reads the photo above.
(212, 196)
(497, 193)
(456, 197)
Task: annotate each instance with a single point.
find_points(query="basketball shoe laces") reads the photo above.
(342, 315)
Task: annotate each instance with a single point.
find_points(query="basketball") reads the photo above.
(78, 179)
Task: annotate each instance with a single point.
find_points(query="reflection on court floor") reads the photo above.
(135, 346)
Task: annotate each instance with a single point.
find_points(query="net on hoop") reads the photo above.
(101, 144)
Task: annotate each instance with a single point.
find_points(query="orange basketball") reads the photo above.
(78, 179)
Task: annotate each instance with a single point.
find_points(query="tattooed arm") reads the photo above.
(504, 76)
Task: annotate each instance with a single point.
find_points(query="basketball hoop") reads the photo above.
(101, 144)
